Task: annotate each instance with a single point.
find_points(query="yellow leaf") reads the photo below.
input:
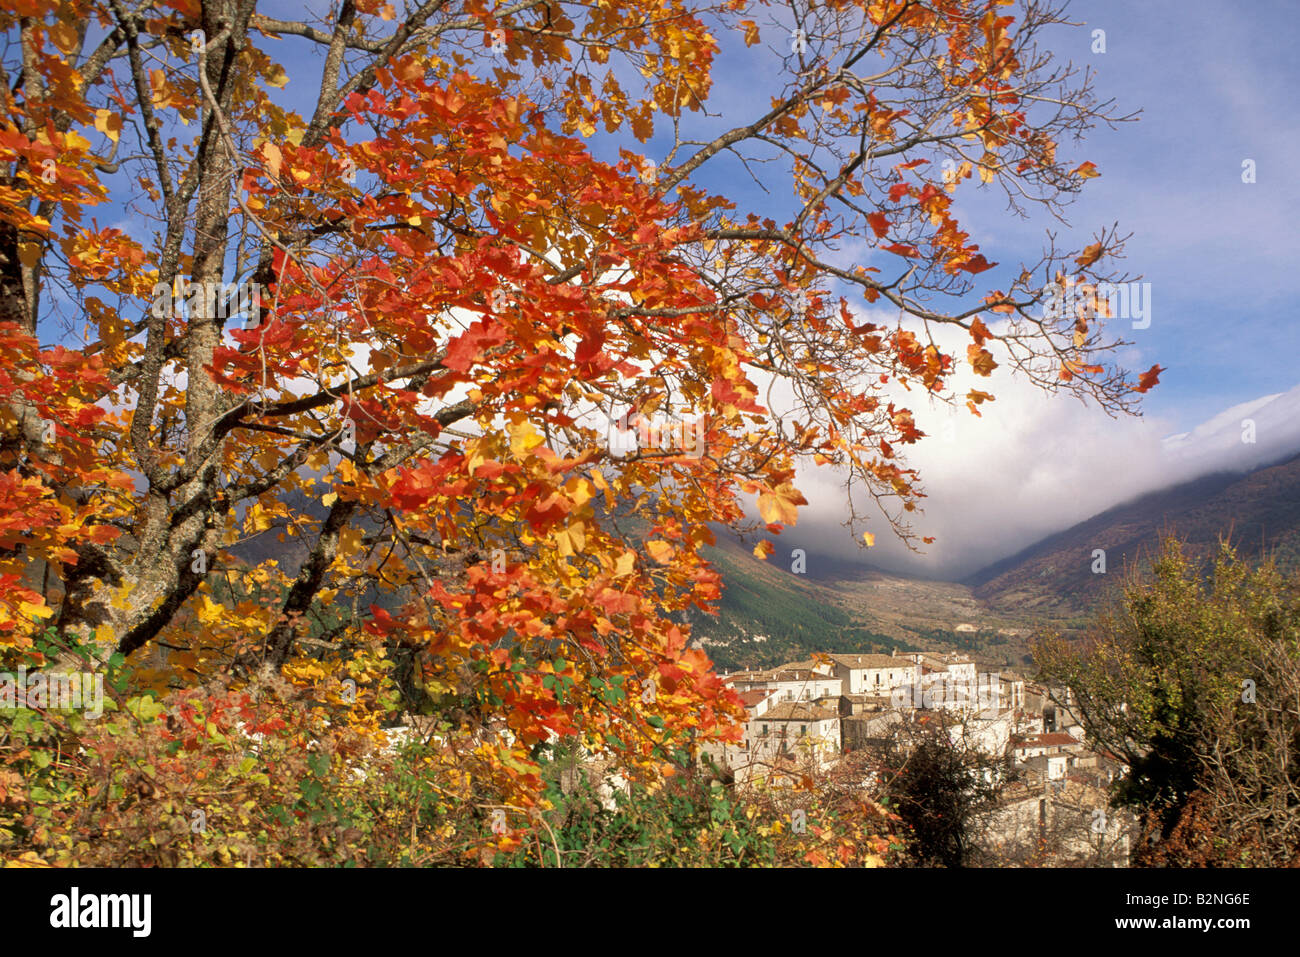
(35, 611)
(869, 539)
(328, 499)
(981, 360)
(579, 489)
(349, 541)
(260, 517)
(780, 506)
(64, 35)
(660, 551)
(571, 539)
(273, 158)
(1090, 255)
(209, 612)
(108, 123)
(523, 437)
(625, 564)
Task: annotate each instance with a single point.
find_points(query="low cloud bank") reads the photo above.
(1032, 465)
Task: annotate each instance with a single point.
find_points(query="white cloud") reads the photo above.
(1032, 465)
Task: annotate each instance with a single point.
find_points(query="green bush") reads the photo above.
(1192, 682)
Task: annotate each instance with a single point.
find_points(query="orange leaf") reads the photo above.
(1148, 379)
(1090, 255)
(659, 550)
(981, 360)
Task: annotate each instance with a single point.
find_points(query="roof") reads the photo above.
(793, 672)
(748, 676)
(809, 665)
(750, 698)
(797, 711)
(1052, 739)
(1044, 760)
(799, 674)
(872, 661)
(944, 661)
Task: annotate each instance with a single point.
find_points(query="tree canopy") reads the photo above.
(402, 321)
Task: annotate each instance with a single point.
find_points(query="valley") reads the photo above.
(769, 613)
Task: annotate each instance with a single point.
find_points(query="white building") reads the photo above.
(1038, 745)
(795, 730)
(874, 674)
(989, 732)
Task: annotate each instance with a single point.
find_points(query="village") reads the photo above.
(806, 717)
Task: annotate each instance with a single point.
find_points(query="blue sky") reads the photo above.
(1216, 85)
(1222, 256)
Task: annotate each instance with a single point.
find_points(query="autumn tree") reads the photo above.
(371, 261)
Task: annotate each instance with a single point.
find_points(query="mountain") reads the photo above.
(1259, 512)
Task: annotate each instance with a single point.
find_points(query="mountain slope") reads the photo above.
(1055, 578)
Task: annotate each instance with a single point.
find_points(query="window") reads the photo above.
(803, 730)
(765, 729)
